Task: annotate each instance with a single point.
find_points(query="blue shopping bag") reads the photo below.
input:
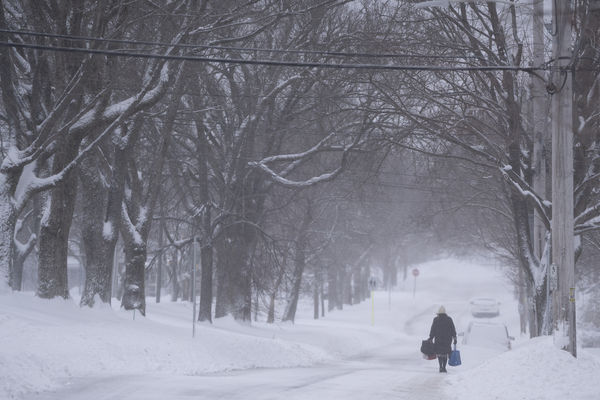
(454, 360)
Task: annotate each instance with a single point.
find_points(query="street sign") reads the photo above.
(415, 273)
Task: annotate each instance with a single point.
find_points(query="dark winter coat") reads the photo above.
(442, 332)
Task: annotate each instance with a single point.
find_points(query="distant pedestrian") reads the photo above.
(443, 333)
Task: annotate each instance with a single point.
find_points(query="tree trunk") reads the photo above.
(98, 253)
(221, 269)
(332, 292)
(348, 277)
(175, 286)
(19, 257)
(206, 292)
(357, 277)
(98, 266)
(234, 283)
(322, 289)
(273, 295)
(20, 254)
(341, 286)
(271, 313)
(299, 265)
(159, 266)
(8, 219)
(102, 207)
(16, 274)
(56, 224)
(538, 300)
(316, 300)
(523, 292)
(134, 297)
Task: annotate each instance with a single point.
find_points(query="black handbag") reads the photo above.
(428, 350)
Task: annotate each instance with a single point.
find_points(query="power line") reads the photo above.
(383, 67)
(212, 47)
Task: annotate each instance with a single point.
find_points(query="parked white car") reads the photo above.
(488, 334)
(485, 307)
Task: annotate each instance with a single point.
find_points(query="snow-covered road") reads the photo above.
(58, 351)
(387, 372)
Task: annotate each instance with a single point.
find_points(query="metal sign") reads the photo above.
(415, 272)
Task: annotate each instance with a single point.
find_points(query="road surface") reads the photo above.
(391, 372)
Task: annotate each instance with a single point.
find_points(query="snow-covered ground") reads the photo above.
(54, 349)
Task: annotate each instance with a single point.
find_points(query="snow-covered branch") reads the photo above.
(126, 109)
(525, 190)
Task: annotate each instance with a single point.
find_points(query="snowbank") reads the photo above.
(46, 343)
(535, 369)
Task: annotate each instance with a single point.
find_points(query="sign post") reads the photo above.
(415, 273)
(194, 285)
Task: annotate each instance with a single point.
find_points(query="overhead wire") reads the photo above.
(231, 48)
(252, 61)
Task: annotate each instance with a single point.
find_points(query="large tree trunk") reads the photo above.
(98, 266)
(100, 230)
(98, 253)
(134, 297)
(538, 295)
(56, 224)
(8, 219)
(299, 265)
(234, 283)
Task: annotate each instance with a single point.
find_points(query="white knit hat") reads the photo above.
(442, 310)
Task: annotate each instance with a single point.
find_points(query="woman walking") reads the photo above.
(443, 333)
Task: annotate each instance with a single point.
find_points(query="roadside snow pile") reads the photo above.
(43, 344)
(534, 370)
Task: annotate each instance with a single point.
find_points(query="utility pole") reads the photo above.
(562, 179)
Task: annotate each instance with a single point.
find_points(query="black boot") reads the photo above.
(441, 362)
(444, 361)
